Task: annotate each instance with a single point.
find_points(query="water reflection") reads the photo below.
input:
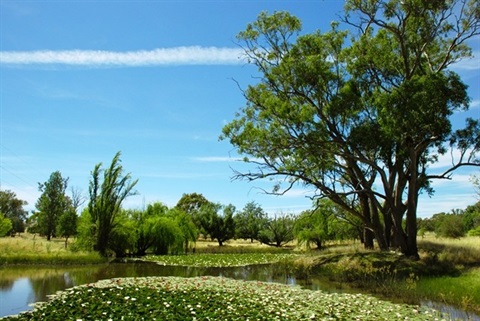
(22, 286)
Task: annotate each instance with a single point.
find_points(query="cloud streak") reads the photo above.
(468, 64)
(194, 55)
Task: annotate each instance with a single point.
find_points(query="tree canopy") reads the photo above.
(12, 208)
(360, 114)
(52, 204)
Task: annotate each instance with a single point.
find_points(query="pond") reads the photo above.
(20, 287)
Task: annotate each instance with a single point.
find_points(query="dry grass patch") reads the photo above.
(31, 243)
(462, 251)
(32, 249)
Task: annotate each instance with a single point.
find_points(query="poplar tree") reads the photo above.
(52, 204)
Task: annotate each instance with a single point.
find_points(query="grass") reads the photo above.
(461, 291)
(447, 272)
(462, 252)
(30, 249)
(213, 298)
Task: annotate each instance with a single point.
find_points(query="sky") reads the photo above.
(157, 81)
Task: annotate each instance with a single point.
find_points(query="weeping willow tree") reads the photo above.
(107, 194)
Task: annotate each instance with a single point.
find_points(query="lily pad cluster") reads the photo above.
(212, 298)
(219, 260)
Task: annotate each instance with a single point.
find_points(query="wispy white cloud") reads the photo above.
(475, 104)
(216, 159)
(472, 63)
(444, 203)
(449, 159)
(194, 55)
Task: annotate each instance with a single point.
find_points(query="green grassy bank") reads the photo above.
(448, 271)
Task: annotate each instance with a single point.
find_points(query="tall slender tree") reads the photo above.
(106, 197)
(52, 204)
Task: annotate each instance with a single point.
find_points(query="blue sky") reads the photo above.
(156, 80)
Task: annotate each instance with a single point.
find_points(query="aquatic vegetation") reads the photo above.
(213, 298)
(219, 260)
(461, 291)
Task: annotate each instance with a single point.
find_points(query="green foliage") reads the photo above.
(122, 237)
(161, 229)
(250, 221)
(471, 217)
(325, 223)
(12, 208)
(168, 237)
(85, 240)
(189, 231)
(191, 204)
(52, 204)
(454, 225)
(339, 115)
(278, 230)
(220, 227)
(143, 223)
(450, 226)
(5, 225)
(474, 232)
(106, 198)
(67, 224)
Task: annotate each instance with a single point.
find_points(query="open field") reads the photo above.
(31, 249)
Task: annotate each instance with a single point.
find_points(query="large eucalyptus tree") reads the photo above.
(360, 114)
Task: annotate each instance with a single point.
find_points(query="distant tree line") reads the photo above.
(105, 226)
(457, 223)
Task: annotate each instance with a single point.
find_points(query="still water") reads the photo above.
(20, 287)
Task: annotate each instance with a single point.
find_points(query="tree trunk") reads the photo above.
(368, 234)
(411, 226)
(368, 237)
(399, 235)
(378, 230)
(388, 226)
